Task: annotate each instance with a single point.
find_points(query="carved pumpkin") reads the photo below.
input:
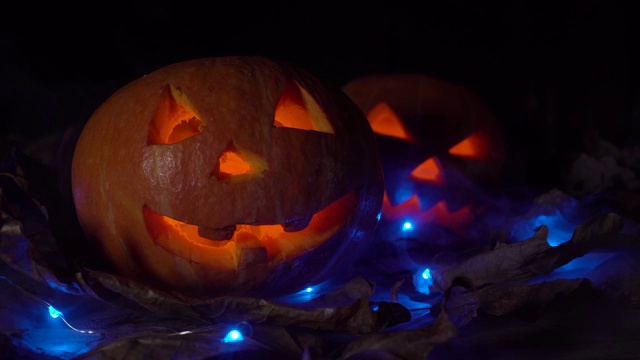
(229, 174)
(437, 140)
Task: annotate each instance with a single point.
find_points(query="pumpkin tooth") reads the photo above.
(297, 223)
(247, 239)
(249, 249)
(252, 256)
(217, 234)
(251, 265)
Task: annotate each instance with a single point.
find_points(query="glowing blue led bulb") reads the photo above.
(54, 313)
(426, 274)
(309, 289)
(233, 336)
(407, 226)
(423, 280)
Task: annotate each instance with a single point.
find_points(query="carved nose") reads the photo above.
(237, 164)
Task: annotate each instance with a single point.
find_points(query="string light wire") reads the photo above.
(53, 312)
(237, 332)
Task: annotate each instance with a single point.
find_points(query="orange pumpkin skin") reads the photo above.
(150, 172)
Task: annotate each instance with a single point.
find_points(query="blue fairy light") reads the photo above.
(426, 274)
(54, 313)
(407, 226)
(234, 335)
(303, 295)
(422, 280)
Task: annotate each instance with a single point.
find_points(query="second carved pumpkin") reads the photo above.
(436, 139)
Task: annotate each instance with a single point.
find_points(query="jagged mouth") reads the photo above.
(232, 245)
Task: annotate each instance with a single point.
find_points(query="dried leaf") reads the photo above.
(351, 291)
(528, 259)
(18, 204)
(288, 343)
(260, 341)
(501, 299)
(110, 287)
(527, 299)
(620, 276)
(414, 344)
(26, 244)
(356, 317)
(18, 252)
(594, 174)
(395, 289)
(11, 227)
(172, 346)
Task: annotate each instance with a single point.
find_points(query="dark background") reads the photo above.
(550, 71)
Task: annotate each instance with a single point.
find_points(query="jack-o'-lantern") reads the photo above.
(227, 175)
(437, 142)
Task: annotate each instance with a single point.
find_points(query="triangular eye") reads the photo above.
(298, 109)
(475, 146)
(175, 118)
(237, 164)
(384, 121)
(429, 171)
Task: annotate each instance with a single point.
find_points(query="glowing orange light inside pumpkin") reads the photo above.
(453, 220)
(231, 163)
(384, 121)
(475, 146)
(298, 109)
(406, 209)
(175, 118)
(238, 164)
(429, 171)
(410, 209)
(174, 236)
